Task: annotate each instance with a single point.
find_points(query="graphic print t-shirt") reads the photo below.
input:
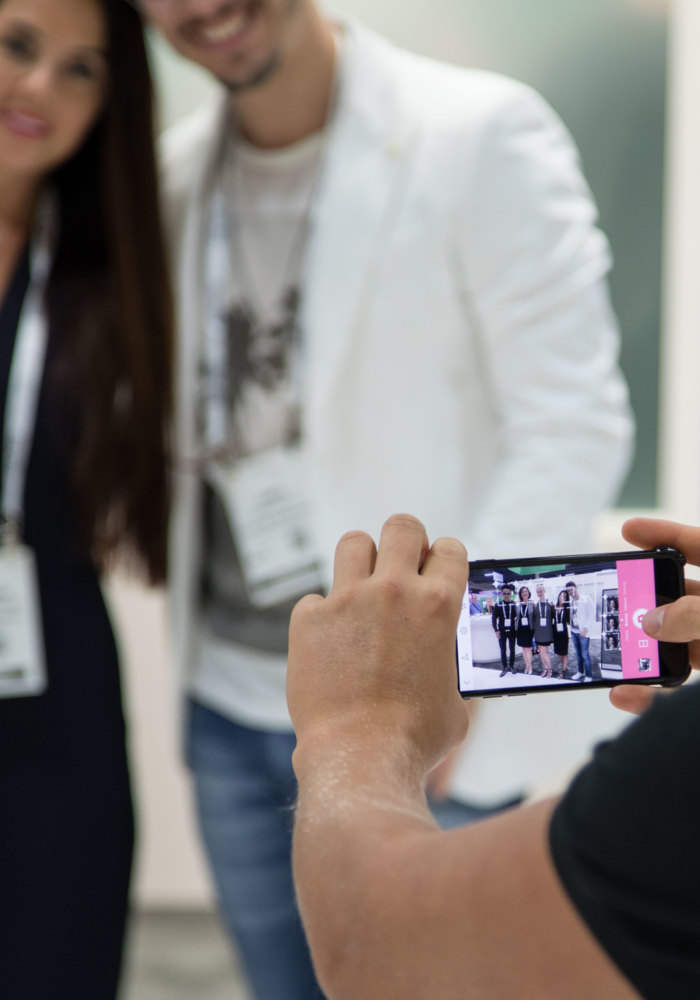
(273, 194)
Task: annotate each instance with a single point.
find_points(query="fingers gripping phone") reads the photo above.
(559, 623)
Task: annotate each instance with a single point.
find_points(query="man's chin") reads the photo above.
(255, 79)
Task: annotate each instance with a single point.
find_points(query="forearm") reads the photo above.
(395, 908)
(362, 832)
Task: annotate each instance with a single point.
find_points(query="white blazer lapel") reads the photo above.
(360, 187)
(190, 280)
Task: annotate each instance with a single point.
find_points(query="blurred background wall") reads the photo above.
(603, 65)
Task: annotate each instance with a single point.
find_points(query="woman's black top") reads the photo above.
(66, 836)
(81, 708)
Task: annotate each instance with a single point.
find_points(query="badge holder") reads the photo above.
(22, 661)
(22, 664)
(270, 515)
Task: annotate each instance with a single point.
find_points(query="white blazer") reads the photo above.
(461, 354)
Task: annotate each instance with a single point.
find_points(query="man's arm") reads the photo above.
(586, 615)
(393, 907)
(533, 268)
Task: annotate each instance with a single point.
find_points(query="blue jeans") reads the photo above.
(245, 789)
(581, 644)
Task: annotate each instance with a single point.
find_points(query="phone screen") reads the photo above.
(571, 622)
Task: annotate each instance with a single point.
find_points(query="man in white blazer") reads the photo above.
(391, 296)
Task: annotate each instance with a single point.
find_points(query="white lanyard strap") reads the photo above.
(217, 277)
(25, 375)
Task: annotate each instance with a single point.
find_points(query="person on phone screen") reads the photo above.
(544, 628)
(561, 631)
(526, 626)
(395, 907)
(582, 611)
(504, 621)
(85, 391)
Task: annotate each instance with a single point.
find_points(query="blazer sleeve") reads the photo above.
(533, 265)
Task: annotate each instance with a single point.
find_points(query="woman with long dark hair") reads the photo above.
(85, 400)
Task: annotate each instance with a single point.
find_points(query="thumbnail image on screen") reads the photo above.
(552, 625)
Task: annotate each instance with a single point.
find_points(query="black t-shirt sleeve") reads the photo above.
(625, 841)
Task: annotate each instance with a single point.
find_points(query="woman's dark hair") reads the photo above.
(565, 595)
(109, 295)
(520, 592)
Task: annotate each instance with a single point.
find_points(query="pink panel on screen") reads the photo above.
(640, 654)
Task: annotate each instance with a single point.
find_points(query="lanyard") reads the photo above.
(25, 376)
(217, 277)
(223, 261)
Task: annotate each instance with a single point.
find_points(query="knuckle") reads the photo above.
(404, 521)
(343, 601)
(304, 609)
(450, 547)
(441, 598)
(355, 535)
(389, 590)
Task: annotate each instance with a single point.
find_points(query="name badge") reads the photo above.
(543, 622)
(22, 664)
(524, 620)
(506, 622)
(560, 626)
(270, 515)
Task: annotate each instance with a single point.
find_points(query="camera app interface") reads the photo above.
(553, 625)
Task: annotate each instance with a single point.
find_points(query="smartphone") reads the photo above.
(559, 623)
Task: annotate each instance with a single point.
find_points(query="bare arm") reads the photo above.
(394, 907)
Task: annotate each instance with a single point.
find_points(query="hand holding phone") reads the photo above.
(566, 622)
(679, 622)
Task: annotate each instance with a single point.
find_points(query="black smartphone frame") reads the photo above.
(669, 585)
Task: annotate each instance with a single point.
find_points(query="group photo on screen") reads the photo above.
(552, 624)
